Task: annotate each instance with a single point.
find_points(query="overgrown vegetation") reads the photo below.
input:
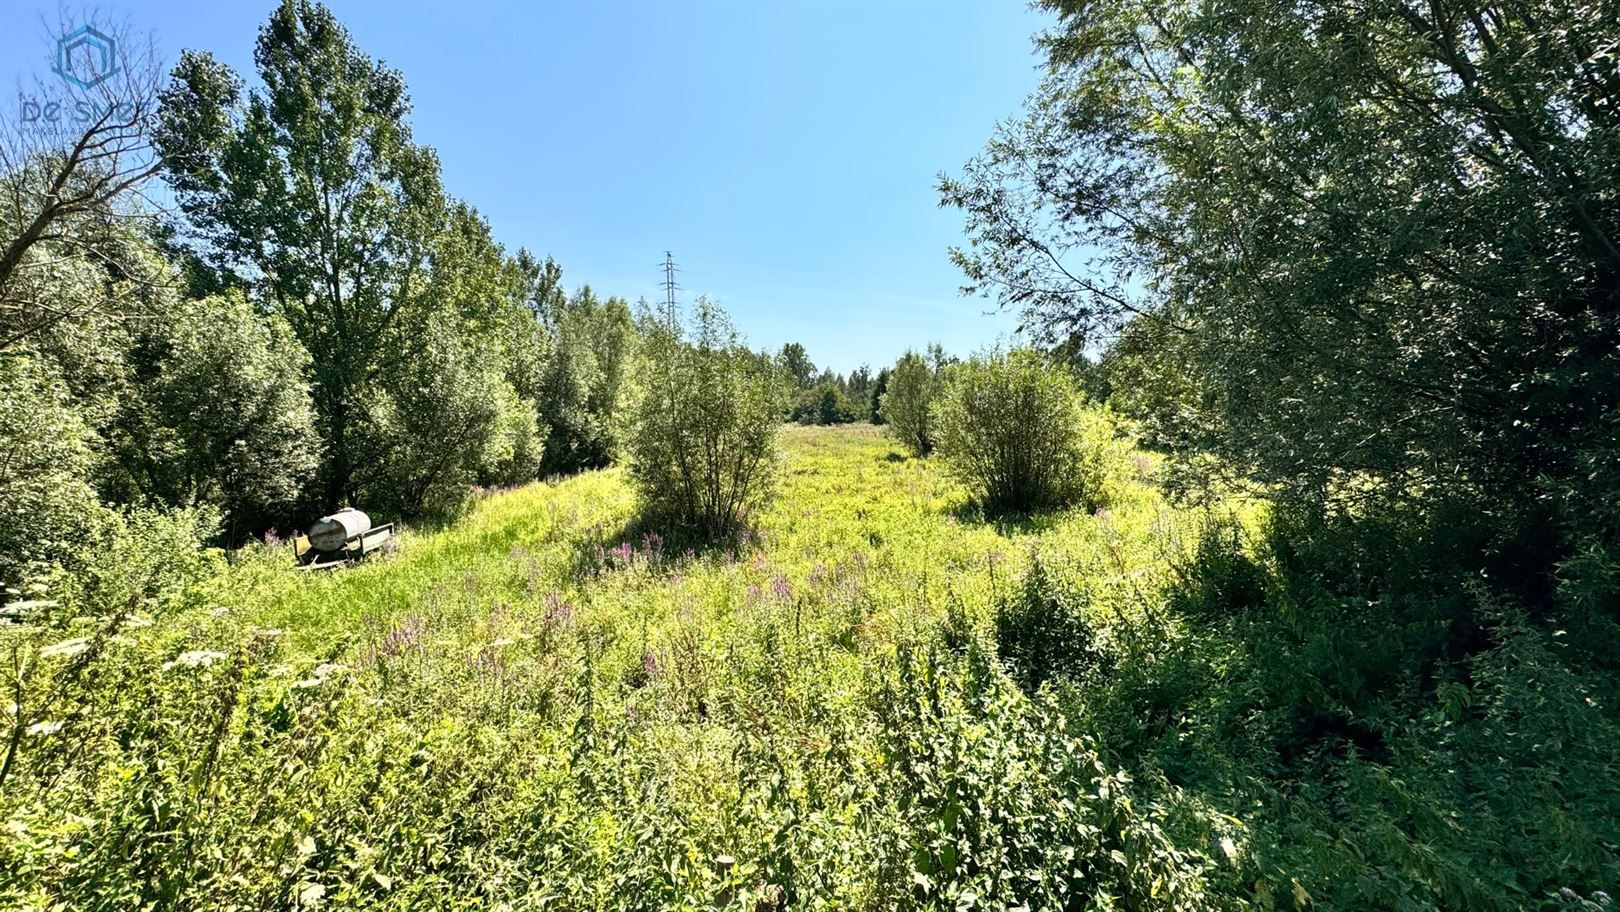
(908, 402)
(703, 439)
(1015, 430)
(1345, 637)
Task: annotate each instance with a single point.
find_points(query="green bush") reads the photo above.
(46, 504)
(223, 415)
(907, 403)
(703, 447)
(432, 424)
(1042, 631)
(1013, 428)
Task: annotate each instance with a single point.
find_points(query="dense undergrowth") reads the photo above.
(875, 699)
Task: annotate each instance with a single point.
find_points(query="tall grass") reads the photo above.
(547, 706)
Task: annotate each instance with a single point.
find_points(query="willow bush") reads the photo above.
(703, 447)
(1014, 429)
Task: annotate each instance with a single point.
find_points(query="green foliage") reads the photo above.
(222, 414)
(1264, 718)
(1430, 304)
(1013, 428)
(823, 404)
(797, 364)
(1005, 808)
(1042, 628)
(880, 386)
(438, 423)
(584, 383)
(703, 444)
(46, 504)
(907, 403)
(311, 191)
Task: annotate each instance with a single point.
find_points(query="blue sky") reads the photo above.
(786, 153)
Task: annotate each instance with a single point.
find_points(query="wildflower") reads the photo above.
(45, 728)
(405, 636)
(66, 648)
(781, 588)
(558, 610)
(196, 658)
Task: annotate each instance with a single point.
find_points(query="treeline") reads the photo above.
(322, 323)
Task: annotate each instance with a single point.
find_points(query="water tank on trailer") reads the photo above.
(331, 533)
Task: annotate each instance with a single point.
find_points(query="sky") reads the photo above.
(786, 154)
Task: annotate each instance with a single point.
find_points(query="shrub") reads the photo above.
(46, 504)
(432, 423)
(224, 417)
(703, 447)
(1042, 630)
(1012, 427)
(907, 402)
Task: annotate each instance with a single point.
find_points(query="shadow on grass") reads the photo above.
(1010, 523)
(654, 544)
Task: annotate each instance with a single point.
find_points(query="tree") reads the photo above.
(1387, 230)
(703, 450)
(435, 420)
(798, 365)
(1012, 428)
(583, 386)
(859, 386)
(311, 192)
(45, 461)
(69, 164)
(908, 401)
(880, 387)
(220, 414)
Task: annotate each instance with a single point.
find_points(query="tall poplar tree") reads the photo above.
(310, 191)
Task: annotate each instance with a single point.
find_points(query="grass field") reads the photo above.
(545, 706)
(875, 700)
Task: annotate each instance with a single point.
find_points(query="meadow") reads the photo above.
(545, 706)
(874, 699)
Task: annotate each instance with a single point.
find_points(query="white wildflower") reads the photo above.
(66, 648)
(194, 659)
(45, 728)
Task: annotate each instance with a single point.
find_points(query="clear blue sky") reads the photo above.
(786, 153)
